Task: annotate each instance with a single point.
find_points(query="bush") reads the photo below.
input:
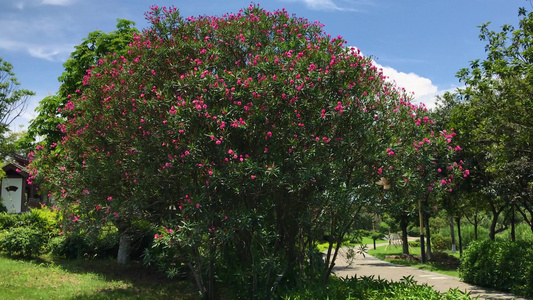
(3, 208)
(414, 244)
(43, 219)
(82, 244)
(371, 288)
(8, 220)
(505, 266)
(467, 234)
(440, 242)
(384, 228)
(23, 241)
(413, 231)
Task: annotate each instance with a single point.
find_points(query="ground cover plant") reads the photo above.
(373, 288)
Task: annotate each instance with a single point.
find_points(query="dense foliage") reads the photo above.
(493, 115)
(244, 139)
(27, 234)
(13, 102)
(505, 266)
(372, 288)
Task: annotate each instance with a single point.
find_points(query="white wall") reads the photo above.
(12, 199)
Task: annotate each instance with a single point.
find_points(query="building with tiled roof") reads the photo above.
(16, 193)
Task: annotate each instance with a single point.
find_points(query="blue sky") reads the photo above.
(420, 44)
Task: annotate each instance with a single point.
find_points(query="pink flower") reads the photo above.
(109, 198)
(230, 151)
(253, 176)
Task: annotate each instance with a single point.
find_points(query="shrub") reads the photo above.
(43, 219)
(371, 288)
(8, 220)
(506, 266)
(384, 228)
(84, 244)
(3, 208)
(413, 231)
(414, 244)
(23, 241)
(440, 242)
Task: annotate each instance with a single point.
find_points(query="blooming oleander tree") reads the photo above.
(417, 166)
(246, 137)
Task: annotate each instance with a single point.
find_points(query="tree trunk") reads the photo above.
(493, 223)
(405, 242)
(513, 220)
(458, 219)
(124, 248)
(211, 295)
(452, 232)
(475, 225)
(428, 238)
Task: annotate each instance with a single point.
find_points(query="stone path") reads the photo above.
(371, 266)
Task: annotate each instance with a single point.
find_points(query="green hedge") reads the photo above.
(23, 241)
(505, 266)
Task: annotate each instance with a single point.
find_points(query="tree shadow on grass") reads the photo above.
(139, 281)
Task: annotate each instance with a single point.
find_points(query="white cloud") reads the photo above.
(324, 5)
(423, 89)
(58, 2)
(44, 51)
(41, 36)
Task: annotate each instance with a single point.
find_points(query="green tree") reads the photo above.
(13, 102)
(93, 48)
(498, 115)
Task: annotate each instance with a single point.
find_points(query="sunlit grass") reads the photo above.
(381, 252)
(365, 241)
(85, 279)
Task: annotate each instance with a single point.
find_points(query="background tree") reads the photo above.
(497, 114)
(13, 103)
(92, 48)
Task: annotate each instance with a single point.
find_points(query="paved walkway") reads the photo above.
(371, 266)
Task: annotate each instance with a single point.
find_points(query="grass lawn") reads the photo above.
(46, 278)
(381, 252)
(365, 241)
